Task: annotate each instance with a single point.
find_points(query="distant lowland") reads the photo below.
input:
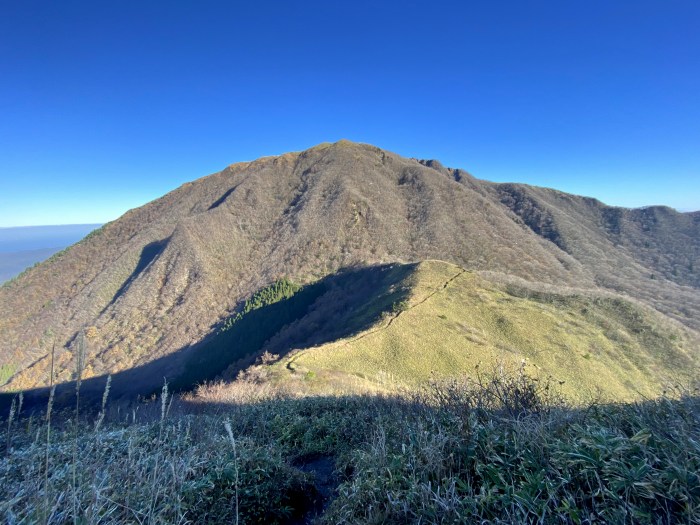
(24, 246)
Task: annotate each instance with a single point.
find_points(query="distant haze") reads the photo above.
(25, 246)
(40, 237)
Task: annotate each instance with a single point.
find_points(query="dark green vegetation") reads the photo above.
(163, 278)
(498, 449)
(242, 335)
(285, 316)
(282, 289)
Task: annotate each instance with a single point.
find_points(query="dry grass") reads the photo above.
(596, 346)
(498, 449)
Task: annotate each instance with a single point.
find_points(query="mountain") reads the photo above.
(153, 288)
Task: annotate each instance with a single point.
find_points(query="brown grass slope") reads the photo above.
(651, 254)
(160, 277)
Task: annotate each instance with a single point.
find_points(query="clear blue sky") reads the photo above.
(107, 105)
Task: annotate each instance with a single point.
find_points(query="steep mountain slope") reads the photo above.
(160, 278)
(647, 253)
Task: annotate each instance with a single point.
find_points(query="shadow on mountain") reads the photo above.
(221, 199)
(149, 254)
(335, 307)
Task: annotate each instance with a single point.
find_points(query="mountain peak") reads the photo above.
(159, 279)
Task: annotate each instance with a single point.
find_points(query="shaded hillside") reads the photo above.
(162, 277)
(281, 317)
(502, 450)
(393, 328)
(648, 253)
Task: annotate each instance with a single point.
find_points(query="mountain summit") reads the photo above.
(163, 277)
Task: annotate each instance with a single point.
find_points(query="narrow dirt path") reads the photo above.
(393, 318)
(290, 363)
(325, 483)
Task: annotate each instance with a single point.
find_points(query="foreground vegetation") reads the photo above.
(502, 448)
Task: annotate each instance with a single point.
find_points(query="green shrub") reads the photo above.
(399, 306)
(279, 290)
(269, 489)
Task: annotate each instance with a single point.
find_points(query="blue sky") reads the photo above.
(107, 105)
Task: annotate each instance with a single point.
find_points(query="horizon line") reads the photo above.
(53, 225)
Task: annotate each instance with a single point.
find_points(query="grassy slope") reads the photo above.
(456, 320)
(451, 456)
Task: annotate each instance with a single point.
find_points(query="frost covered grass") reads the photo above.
(498, 448)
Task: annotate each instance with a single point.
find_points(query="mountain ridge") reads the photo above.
(161, 277)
